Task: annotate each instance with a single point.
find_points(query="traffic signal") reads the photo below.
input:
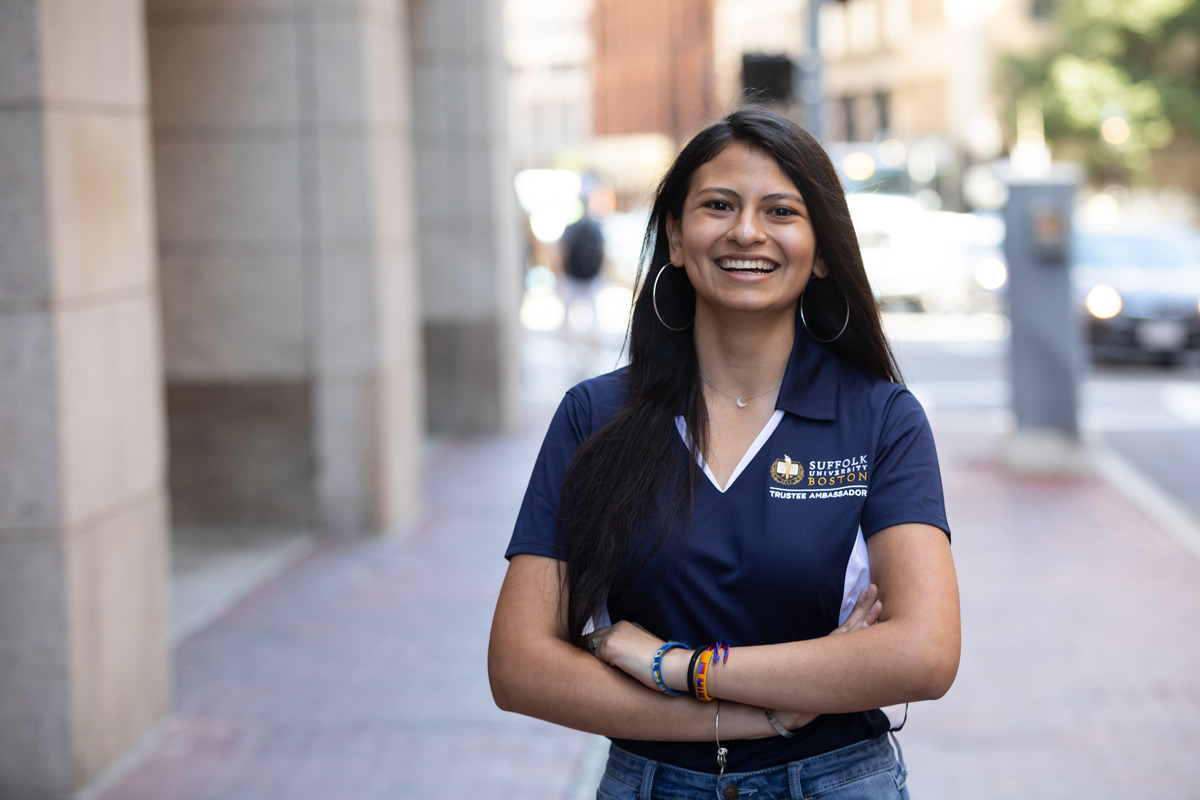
(766, 78)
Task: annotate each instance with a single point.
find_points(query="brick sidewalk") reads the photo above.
(360, 672)
(1080, 674)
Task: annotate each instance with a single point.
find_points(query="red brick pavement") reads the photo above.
(360, 672)
(1080, 675)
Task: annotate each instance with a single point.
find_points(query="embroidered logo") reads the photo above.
(818, 480)
(787, 472)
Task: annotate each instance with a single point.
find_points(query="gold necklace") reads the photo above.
(740, 400)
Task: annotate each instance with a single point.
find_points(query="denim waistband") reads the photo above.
(796, 780)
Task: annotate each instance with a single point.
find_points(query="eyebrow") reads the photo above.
(774, 196)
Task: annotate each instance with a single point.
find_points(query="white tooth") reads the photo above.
(760, 266)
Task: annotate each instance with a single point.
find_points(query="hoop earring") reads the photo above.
(654, 300)
(804, 322)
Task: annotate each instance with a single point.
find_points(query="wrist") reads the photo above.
(779, 727)
(674, 669)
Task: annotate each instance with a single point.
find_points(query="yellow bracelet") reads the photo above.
(702, 667)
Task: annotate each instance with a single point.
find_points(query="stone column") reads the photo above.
(470, 276)
(84, 657)
(287, 262)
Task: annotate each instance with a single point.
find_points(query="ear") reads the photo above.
(674, 241)
(819, 268)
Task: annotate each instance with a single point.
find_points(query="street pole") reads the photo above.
(812, 90)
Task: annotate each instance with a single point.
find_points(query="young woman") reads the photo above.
(701, 522)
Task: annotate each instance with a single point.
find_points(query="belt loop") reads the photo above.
(899, 752)
(795, 788)
(647, 780)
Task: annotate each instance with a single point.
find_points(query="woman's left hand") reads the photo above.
(629, 647)
(865, 613)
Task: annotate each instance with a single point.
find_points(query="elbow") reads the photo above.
(938, 667)
(503, 691)
(514, 687)
(937, 682)
(500, 693)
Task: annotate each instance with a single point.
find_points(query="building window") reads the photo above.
(848, 126)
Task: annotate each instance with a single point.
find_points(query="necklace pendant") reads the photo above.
(741, 403)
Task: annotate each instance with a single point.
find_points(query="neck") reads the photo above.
(747, 355)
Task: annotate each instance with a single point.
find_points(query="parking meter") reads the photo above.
(1046, 342)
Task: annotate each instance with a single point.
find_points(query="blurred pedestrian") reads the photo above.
(733, 553)
(581, 251)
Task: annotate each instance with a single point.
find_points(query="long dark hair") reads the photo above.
(615, 486)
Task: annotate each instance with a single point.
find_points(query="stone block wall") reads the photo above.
(84, 665)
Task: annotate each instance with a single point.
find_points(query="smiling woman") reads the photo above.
(733, 554)
(745, 240)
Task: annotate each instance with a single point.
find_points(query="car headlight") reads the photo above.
(991, 274)
(1103, 302)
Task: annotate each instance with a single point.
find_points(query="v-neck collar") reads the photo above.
(747, 457)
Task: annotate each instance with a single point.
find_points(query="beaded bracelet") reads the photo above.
(715, 653)
(657, 668)
(702, 676)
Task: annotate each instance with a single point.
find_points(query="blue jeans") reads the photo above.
(869, 770)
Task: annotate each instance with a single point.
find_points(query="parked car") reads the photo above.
(1140, 288)
(893, 249)
(929, 260)
(974, 275)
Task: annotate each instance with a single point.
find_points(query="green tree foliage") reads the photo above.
(1135, 63)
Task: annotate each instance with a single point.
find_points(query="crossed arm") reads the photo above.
(905, 649)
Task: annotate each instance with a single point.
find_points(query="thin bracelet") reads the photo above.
(777, 725)
(721, 751)
(691, 673)
(656, 669)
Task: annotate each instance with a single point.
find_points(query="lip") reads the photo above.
(746, 265)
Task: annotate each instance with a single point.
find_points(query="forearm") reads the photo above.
(871, 668)
(910, 654)
(535, 671)
(569, 687)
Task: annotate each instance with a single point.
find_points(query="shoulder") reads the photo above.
(591, 404)
(866, 391)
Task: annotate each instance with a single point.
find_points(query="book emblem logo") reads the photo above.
(787, 472)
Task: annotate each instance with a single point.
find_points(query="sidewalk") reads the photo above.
(360, 671)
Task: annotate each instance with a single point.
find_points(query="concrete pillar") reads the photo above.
(84, 666)
(470, 276)
(292, 334)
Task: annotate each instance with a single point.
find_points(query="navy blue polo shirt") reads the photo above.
(779, 554)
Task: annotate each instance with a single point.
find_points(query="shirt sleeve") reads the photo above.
(534, 533)
(906, 482)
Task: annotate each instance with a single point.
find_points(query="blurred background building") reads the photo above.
(254, 256)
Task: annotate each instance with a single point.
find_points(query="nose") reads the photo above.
(745, 229)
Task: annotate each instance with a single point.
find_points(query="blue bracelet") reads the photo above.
(657, 670)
